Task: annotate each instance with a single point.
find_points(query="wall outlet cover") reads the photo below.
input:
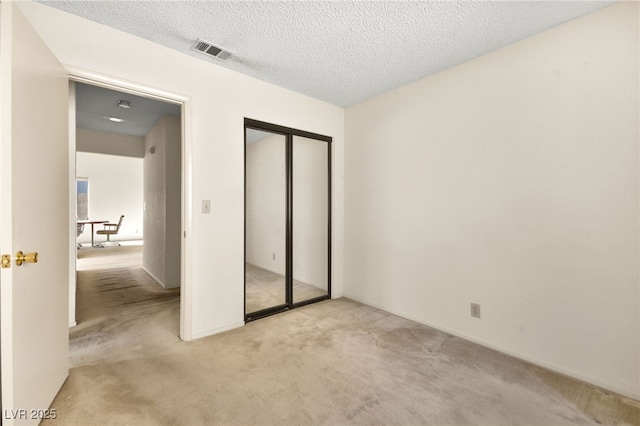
(475, 310)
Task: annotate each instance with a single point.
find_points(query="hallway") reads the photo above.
(114, 291)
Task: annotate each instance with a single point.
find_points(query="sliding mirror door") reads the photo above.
(287, 218)
(310, 218)
(265, 220)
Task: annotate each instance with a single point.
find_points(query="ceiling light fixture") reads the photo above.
(116, 119)
(124, 104)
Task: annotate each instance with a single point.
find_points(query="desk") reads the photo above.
(92, 222)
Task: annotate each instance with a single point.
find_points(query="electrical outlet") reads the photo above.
(475, 310)
(274, 256)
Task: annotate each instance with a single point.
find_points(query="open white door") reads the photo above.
(34, 217)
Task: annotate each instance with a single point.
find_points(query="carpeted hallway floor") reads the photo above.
(336, 362)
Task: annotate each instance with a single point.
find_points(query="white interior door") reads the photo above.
(34, 194)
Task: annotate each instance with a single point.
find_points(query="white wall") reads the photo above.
(218, 102)
(115, 188)
(510, 181)
(161, 212)
(99, 142)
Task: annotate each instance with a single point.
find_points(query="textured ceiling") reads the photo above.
(342, 52)
(94, 106)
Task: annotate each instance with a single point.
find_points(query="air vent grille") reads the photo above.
(209, 49)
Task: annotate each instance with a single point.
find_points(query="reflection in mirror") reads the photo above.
(265, 245)
(310, 219)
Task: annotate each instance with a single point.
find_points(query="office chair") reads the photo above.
(109, 230)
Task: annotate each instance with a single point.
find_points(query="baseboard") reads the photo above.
(213, 331)
(629, 393)
(154, 277)
(160, 283)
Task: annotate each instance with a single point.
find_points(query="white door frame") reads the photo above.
(121, 85)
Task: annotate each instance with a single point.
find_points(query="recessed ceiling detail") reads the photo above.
(209, 49)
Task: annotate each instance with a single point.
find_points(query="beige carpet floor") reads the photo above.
(266, 289)
(336, 362)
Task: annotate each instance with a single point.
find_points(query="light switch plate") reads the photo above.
(206, 206)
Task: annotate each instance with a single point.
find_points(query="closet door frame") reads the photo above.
(289, 133)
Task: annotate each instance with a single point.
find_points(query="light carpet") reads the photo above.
(336, 362)
(266, 289)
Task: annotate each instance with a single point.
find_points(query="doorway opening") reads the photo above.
(129, 155)
(287, 218)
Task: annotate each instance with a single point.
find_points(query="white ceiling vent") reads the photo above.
(209, 49)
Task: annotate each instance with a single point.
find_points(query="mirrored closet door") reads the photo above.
(287, 218)
(310, 219)
(265, 220)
